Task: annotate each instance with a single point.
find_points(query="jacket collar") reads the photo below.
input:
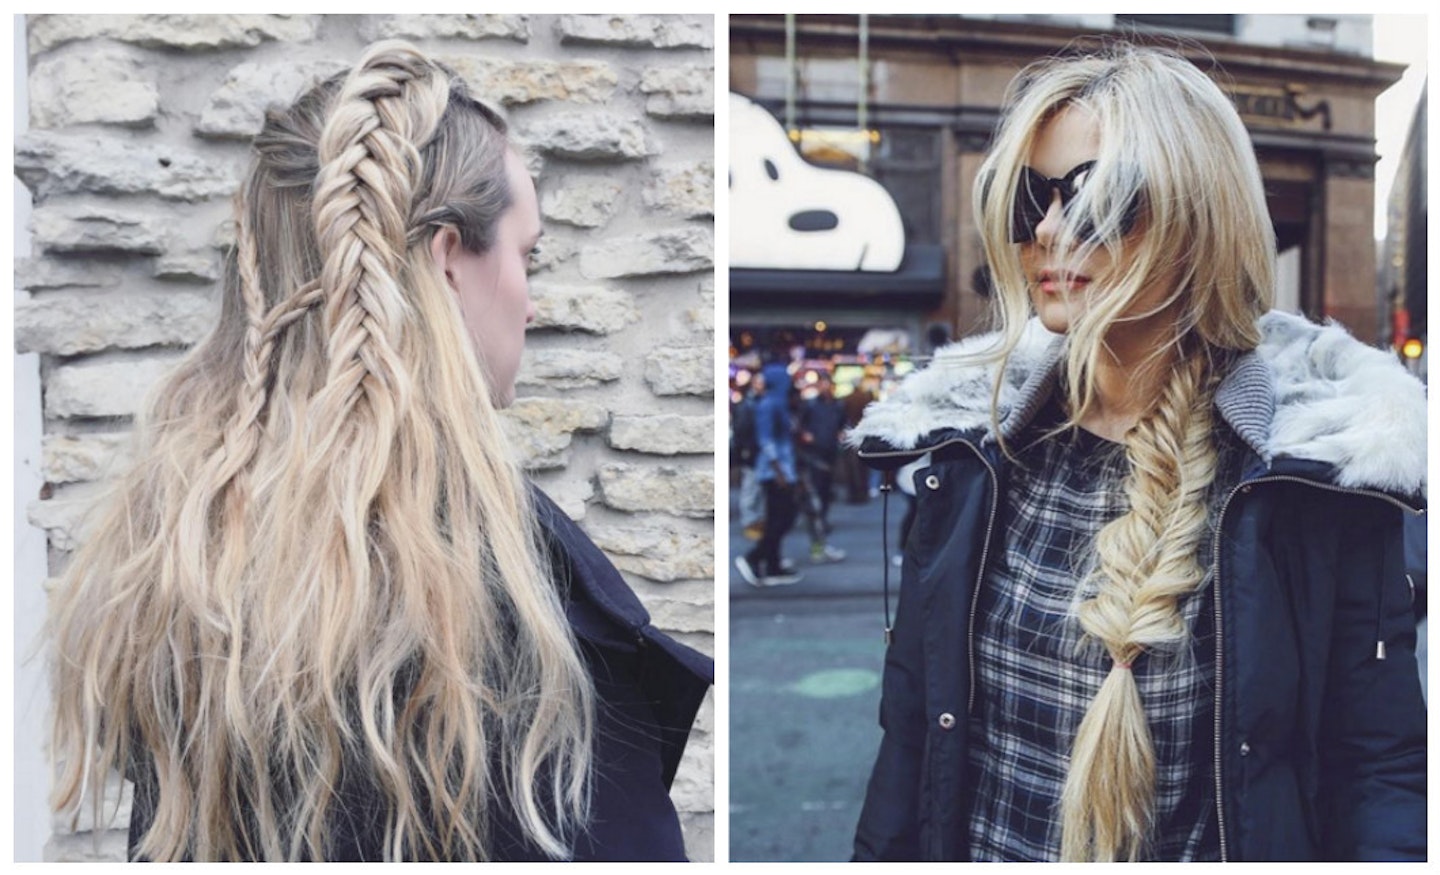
(1308, 392)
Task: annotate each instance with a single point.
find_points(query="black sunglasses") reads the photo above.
(1032, 202)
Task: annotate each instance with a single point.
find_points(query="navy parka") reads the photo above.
(1319, 748)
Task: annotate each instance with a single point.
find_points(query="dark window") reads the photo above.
(907, 163)
(1206, 23)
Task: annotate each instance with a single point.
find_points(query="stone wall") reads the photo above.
(139, 129)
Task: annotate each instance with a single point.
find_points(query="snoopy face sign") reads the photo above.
(788, 214)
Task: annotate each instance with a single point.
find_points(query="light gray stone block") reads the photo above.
(57, 164)
(84, 847)
(594, 309)
(681, 371)
(686, 190)
(104, 84)
(659, 552)
(90, 227)
(679, 92)
(675, 250)
(666, 434)
(236, 109)
(106, 388)
(682, 491)
(186, 32)
(511, 83)
(67, 513)
(584, 203)
(66, 323)
(590, 135)
(568, 368)
(541, 429)
(78, 458)
(475, 26)
(38, 274)
(647, 31)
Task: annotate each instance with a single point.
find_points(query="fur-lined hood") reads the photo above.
(1307, 392)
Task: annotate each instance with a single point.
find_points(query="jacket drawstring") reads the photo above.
(1379, 620)
(887, 482)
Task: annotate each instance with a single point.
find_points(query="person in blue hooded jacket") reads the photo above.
(775, 469)
(1154, 604)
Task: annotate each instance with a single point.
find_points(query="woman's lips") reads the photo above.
(1056, 282)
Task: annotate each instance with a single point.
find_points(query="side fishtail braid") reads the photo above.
(1147, 562)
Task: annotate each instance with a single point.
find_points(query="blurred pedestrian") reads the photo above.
(854, 475)
(822, 421)
(763, 565)
(746, 449)
(1153, 604)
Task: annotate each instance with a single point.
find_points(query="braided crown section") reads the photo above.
(370, 165)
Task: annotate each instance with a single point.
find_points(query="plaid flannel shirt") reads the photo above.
(1036, 677)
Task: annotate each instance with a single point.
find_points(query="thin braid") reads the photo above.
(217, 476)
(1147, 562)
(242, 438)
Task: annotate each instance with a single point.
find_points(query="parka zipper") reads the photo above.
(980, 574)
(1219, 618)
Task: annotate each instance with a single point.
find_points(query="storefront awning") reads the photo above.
(919, 283)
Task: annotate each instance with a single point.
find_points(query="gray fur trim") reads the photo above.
(1308, 392)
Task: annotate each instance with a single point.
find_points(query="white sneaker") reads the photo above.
(784, 578)
(747, 571)
(823, 553)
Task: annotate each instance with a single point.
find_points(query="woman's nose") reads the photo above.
(1049, 228)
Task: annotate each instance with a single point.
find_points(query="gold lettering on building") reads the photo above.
(1278, 105)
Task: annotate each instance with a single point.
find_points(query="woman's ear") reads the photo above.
(444, 247)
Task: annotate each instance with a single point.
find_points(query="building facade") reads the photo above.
(927, 89)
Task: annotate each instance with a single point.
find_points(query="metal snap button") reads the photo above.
(947, 720)
(932, 481)
(1244, 748)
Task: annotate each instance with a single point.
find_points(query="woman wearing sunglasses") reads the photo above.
(1154, 605)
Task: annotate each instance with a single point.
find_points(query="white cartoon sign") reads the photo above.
(788, 214)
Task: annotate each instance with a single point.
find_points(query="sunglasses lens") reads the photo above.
(1032, 200)
(1033, 195)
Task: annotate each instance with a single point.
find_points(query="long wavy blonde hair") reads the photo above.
(325, 559)
(1171, 142)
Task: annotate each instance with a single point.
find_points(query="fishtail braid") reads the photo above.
(363, 197)
(1147, 561)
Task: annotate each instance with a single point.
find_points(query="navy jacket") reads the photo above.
(648, 687)
(1319, 750)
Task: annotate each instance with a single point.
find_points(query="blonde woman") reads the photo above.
(325, 617)
(1153, 604)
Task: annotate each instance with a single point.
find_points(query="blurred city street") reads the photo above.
(805, 691)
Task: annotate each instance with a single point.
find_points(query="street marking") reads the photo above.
(837, 683)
